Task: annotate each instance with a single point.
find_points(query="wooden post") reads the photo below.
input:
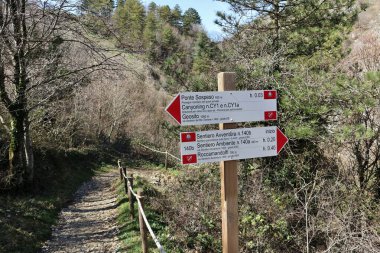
(143, 229)
(125, 180)
(120, 169)
(229, 182)
(166, 160)
(131, 198)
(166, 154)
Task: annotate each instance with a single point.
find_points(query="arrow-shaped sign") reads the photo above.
(200, 108)
(232, 144)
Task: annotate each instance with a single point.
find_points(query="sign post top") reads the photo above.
(226, 81)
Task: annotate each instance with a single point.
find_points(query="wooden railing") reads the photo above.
(166, 153)
(139, 197)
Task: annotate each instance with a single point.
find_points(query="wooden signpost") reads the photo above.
(229, 182)
(230, 143)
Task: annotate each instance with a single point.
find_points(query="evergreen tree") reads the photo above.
(151, 25)
(295, 28)
(164, 13)
(97, 14)
(152, 7)
(190, 17)
(99, 8)
(130, 20)
(176, 17)
(206, 52)
(168, 42)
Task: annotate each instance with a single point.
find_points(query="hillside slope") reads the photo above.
(364, 41)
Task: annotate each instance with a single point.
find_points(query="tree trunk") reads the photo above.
(17, 108)
(276, 40)
(17, 161)
(29, 157)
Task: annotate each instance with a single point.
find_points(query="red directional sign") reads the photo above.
(200, 108)
(174, 109)
(231, 144)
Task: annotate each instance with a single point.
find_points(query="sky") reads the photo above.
(206, 8)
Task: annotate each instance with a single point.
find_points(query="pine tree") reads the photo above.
(130, 20)
(152, 7)
(97, 14)
(150, 29)
(168, 42)
(164, 13)
(295, 28)
(205, 52)
(176, 17)
(190, 17)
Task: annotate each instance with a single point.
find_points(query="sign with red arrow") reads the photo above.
(200, 108)
(231, 144)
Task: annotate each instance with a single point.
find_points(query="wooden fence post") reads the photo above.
(143, 229)
(125, 180)
(120, 169)
(131, 198)
(166, 160)
(229, 182)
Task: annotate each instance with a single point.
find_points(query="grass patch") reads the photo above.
(129, 229)
(26, 218)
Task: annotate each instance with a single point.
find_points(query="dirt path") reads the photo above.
(89, 224)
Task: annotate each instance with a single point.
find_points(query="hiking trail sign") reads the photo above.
(231, 144)
(200, 108)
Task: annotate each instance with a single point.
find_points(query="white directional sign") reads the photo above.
(200, 108)
(232, 144)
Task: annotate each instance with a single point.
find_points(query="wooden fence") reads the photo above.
(139, 198)
(166, 153)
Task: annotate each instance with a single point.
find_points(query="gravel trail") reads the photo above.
(89, 223)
